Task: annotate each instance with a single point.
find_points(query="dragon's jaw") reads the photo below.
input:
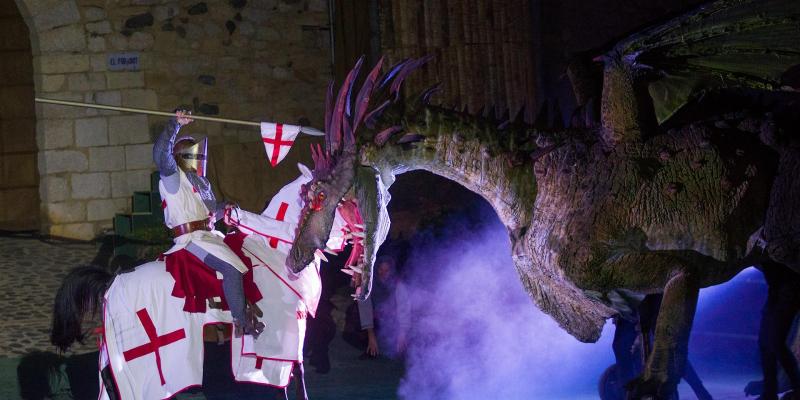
(372, 195)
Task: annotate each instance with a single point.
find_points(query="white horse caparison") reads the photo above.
(152, 349)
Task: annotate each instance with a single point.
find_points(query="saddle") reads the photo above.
(198, 284)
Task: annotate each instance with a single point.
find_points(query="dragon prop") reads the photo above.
(628, 199)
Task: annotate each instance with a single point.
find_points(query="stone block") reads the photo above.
(99, 62)
(98, 210)
(212, 29)
(124, 183)
(91, 132)
(95, 185)
(141, 41)
(109, 98)
(165, 12)
(99, 28)
(64, 39)
(246, 29)
(52, 13)
(64, 212)
(118, 41)
(85, 82)
(93, 14)
(53, 188)
(125, 80)
(57, 161)
(97, 44)
(63, 63)
(128, 129)
(80, 231)
(139, 156)
(111, 158)
(140, 98)
(52, 83)
(123, 204)
(54, 133)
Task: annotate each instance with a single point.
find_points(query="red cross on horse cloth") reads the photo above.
(278, 139)
(273, 241)
(156, 342)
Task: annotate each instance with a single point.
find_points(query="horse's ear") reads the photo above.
(305, 171)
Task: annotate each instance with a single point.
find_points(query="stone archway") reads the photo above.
(19, 178)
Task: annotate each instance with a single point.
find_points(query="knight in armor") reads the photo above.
(190, 210)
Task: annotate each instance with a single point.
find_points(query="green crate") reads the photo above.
(122, 224)
(141, 202)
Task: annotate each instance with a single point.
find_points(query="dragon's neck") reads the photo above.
(468, 151)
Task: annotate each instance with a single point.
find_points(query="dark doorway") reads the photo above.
(19, 178)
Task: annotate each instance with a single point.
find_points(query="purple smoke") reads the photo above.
(476, 334)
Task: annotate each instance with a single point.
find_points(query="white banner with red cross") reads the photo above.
(278, 139)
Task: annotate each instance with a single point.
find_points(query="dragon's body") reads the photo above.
(621, 205)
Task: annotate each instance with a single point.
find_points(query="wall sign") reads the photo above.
(123, 62)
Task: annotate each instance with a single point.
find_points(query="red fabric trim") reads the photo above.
(156, 342)
(273, 242)
(263, 234)
(242, 353)
(196, 282)
(276, 275)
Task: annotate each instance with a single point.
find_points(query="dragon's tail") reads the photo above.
(724, 44)
(80, 294)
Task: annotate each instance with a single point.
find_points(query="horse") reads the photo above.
(154, 316)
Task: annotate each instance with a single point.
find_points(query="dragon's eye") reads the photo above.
(321, 196)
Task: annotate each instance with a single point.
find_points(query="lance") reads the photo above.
(305, 129)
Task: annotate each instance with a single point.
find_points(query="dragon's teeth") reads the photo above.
(359, 226)
(329, 251)
(357, 269)
(321, 255)
(348, 272)
(359, 234)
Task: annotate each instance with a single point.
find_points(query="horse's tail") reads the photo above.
(81, 293)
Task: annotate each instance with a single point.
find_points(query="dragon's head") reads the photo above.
(339, 182)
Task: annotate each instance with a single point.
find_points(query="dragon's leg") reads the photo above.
(666, 363)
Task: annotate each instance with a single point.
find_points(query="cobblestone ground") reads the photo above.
(31, 270)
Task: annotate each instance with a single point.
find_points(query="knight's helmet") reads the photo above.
(191, 155)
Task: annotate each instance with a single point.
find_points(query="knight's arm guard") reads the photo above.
(162, 149)
(251, 223)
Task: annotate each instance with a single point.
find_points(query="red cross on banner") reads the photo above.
(273, 241)
(278, 139)
(156, 342)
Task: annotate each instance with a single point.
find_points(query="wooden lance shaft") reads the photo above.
(305, 129)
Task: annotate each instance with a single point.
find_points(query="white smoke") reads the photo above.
(477, 335)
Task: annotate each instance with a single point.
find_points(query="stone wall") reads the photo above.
(242, 59)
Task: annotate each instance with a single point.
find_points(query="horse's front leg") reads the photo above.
(299, 382)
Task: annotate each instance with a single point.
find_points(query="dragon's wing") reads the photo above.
(727, 43)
